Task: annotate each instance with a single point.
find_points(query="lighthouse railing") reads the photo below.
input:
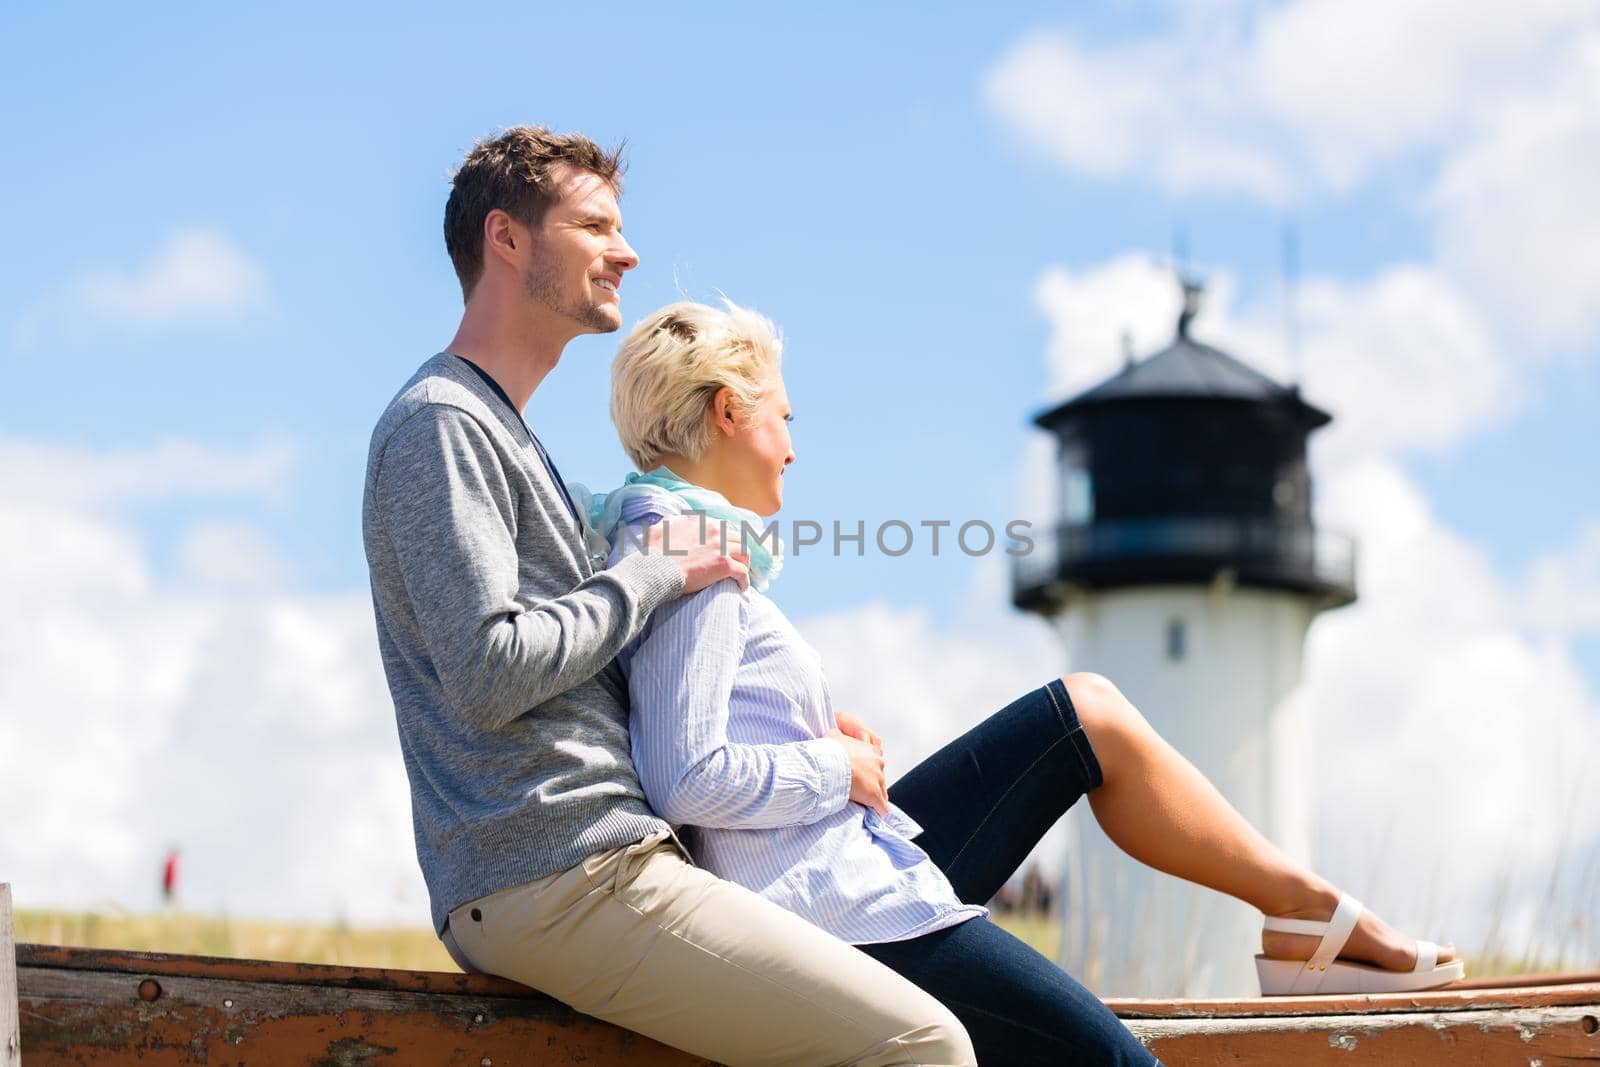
(1256, 547)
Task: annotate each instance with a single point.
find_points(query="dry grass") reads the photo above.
(412, 948)
(415, 948)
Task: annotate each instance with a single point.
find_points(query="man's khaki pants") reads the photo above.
(640, 937)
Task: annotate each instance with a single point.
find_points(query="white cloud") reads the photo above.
(69, 477)
(1486, 115)
(1457, 750)
(1093, 312)
(50, 547)
(1562, 592)
(197, 275)
(230, 555)
(1403, 360)
(1515, 207)
(229, 714)
(1277, 100)
(197, 278)
(1132, 111)
(1353, 85)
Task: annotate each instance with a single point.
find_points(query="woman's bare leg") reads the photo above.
(1159, 809)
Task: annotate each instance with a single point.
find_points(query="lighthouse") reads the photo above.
(1184, 566)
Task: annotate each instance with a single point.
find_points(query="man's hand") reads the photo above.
(696, 545)
(867, 784)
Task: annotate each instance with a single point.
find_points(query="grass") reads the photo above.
(416, 948)
(412, 948)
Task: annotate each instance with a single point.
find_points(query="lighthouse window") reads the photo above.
(1175, 639)
(1077, 485)
(1079, 497)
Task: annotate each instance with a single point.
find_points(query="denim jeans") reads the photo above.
(984, 801)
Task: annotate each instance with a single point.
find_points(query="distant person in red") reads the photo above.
(169, 877)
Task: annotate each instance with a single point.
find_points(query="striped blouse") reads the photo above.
(729, 705)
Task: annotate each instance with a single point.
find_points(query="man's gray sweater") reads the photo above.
(497, 637)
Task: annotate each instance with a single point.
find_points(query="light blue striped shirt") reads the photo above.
(729, 705)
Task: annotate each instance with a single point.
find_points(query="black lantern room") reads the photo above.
(1184, 468)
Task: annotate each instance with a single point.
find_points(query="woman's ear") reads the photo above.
(724, 411)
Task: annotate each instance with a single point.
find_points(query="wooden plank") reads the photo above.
(1518, 981)
(1531, 991)
(98, 1007)
(269, 971)
(1550, 1037)
(10, 1033)
(88, 1018)
(1519, 991)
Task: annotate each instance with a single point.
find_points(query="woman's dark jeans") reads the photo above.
(984, 801)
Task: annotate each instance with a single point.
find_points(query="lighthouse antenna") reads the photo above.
(1291, 310)
(1192, 288)
(1191, 285)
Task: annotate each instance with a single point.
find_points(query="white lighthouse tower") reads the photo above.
(1185, 568)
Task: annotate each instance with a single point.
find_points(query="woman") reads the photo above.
(736, 739)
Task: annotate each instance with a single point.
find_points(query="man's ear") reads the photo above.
(501, 234)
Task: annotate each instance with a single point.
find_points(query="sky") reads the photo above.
(225, 245)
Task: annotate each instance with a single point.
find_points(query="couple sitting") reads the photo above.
(577, 680)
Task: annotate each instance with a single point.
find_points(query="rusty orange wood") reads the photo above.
(1548, 1020)
(82, 1006)
(86, 1007)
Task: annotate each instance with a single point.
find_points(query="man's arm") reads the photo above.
(443, 499)
(680, 681)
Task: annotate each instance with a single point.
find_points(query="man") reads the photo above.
(543, 861)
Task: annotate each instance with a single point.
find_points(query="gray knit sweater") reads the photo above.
(497, 637)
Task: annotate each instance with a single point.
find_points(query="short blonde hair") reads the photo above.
(671, 365)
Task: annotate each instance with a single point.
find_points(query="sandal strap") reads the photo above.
(1311, 927)
(1427, 956)
(1339, 930)
(1334, 933)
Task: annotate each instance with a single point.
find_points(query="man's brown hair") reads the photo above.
(515, 173)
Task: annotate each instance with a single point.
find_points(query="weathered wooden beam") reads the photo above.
(1547, 1036)
(1525, 991)
(10, 1032)
(90, 1007)
(87, 1007)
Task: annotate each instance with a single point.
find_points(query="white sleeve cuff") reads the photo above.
(833, 768)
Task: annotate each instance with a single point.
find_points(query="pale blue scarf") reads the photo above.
(604, 514)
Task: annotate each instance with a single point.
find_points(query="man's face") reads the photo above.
(579, 255)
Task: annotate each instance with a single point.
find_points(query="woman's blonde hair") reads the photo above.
(670, 367)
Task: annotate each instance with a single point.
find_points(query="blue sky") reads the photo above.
(225, 238)
(840, 173)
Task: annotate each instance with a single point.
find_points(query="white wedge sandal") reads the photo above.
(1324, 973)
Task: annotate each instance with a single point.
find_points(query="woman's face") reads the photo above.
(757, 451)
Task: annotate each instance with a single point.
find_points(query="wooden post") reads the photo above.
(10, 1033)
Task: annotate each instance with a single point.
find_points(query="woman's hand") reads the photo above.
(868, 786)
(854, 727)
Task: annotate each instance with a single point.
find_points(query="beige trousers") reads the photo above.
(640, 937)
